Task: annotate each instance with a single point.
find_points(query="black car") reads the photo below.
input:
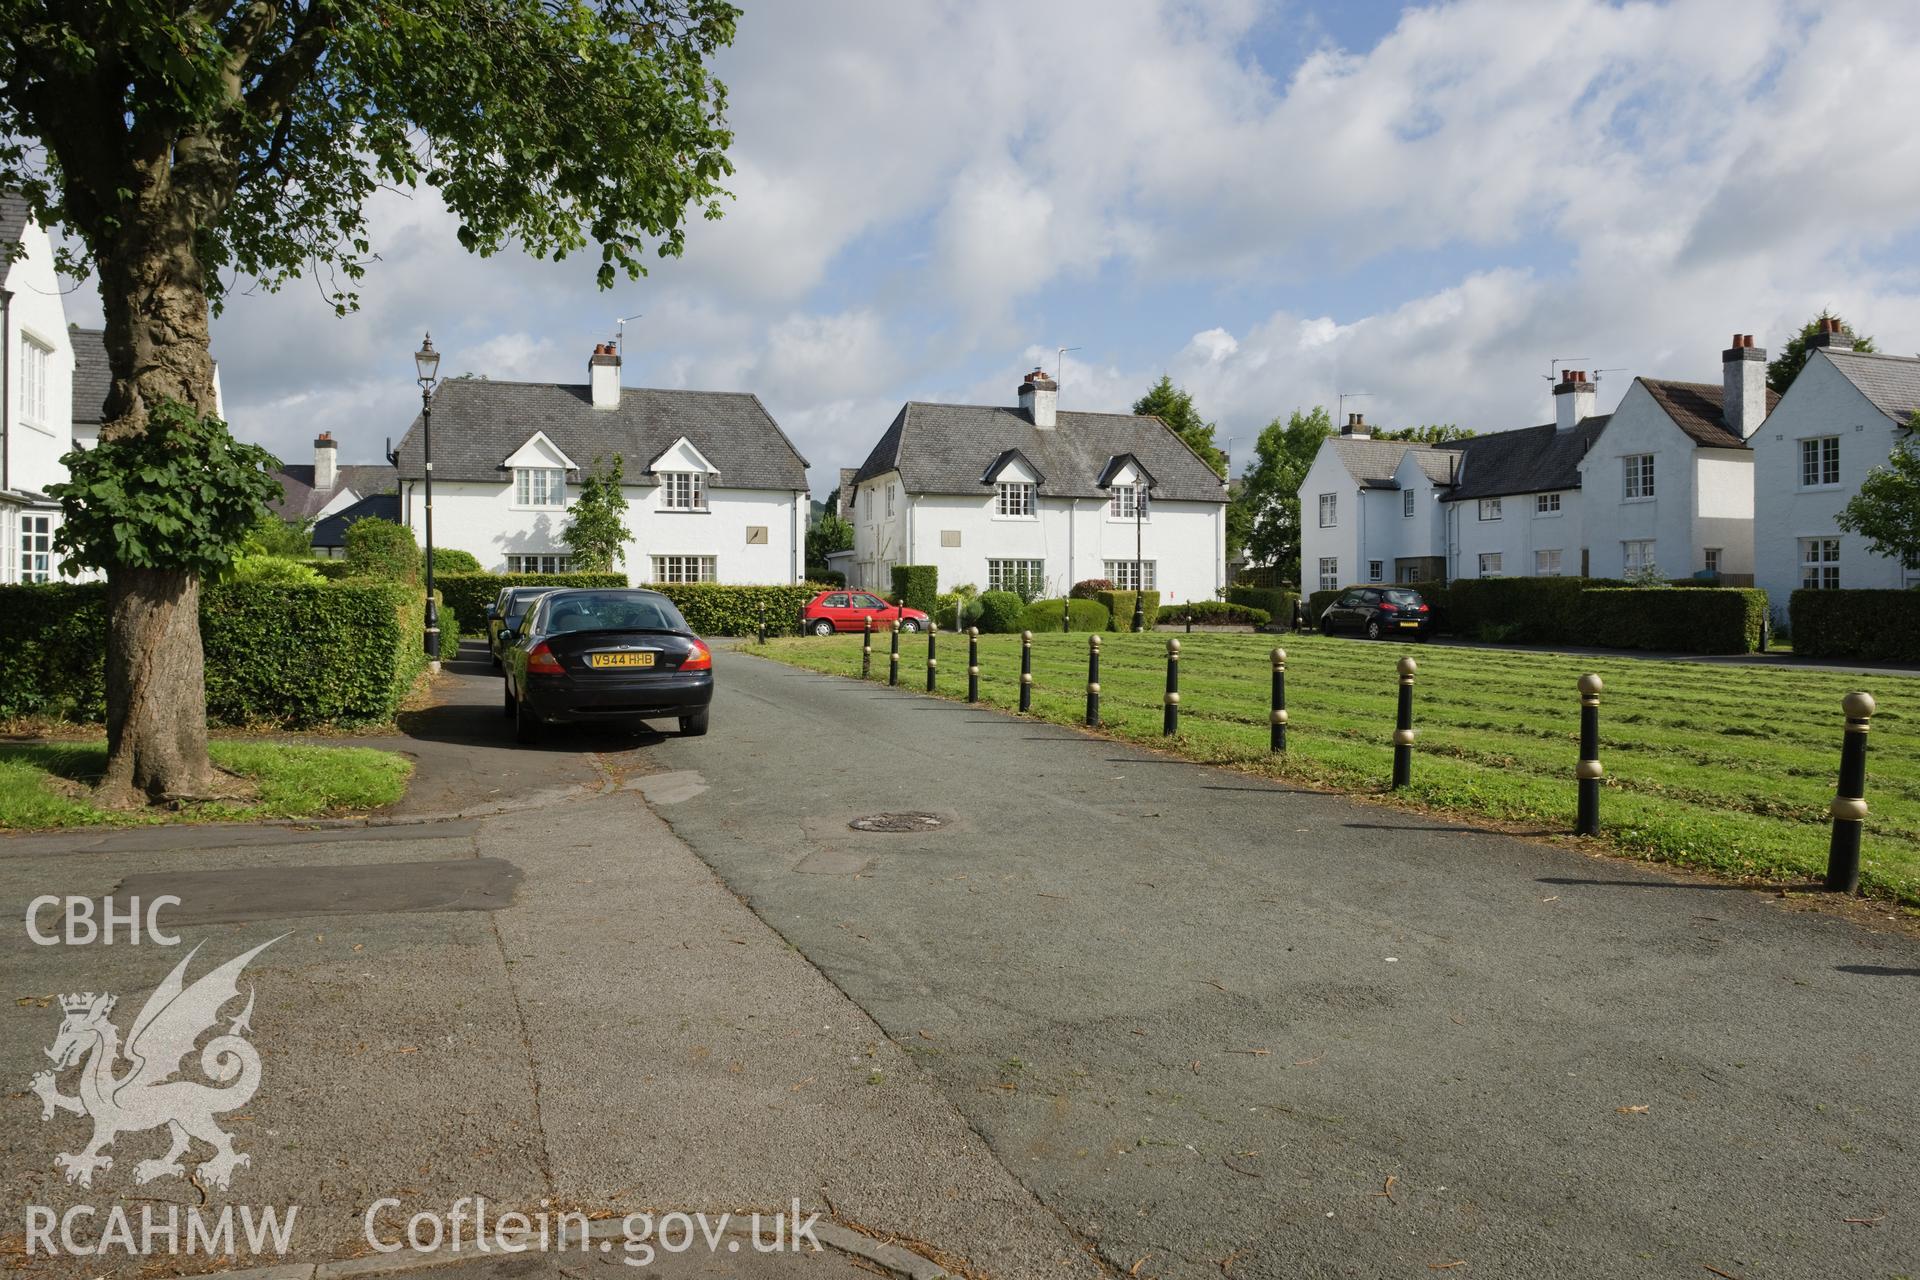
(505, 613)
(605, 656)
(1379, 612)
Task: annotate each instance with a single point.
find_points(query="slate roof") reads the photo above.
(844, 509)
(1695, 408)
(479, 423)
(945, 448)
(1530, 460)
(299, 500)
(13, 218)
(92, 379)
(1373, 462)
(1892, 383)
(332, 532)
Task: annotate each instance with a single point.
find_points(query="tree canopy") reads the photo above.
(1785, 367)
(1270, 487)
(596, 529)
(1175, 407)
(1428, 433)
(1886, 511)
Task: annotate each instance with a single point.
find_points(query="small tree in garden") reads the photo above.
(454, 560)
(379, 548)
(1089, 588)
(596, 527)
(1886, 511)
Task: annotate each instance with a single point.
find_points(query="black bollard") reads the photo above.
(1277, 735)
(893, 658)
(973, 664)
(1189, 622)
(763, 622)
(1403, 730)
(932, 662)
(866, 651)
(1589, 772)
(1066, 617)
(1026, 670)
(1849, 808)
(1093, 682)
(1170, 718)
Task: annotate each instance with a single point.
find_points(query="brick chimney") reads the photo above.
(1040, 399)
(326, 462)
(1743, 372)
(1572, 399)
(1833, 336)
(1356, 428)
(603, 372)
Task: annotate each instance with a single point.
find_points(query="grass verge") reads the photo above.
(1723, 767)
(44, 786)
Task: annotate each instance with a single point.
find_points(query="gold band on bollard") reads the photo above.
(1173, 699)
(1403, 737)
(1589, 769)
(1278, 717)
(1846, 809)
(1026, 677)
(973, 671)
(1093, 686)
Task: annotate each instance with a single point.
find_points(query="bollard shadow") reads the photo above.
(1877, 971)
(1769, 888)
(1263, 791)
(1464, 831)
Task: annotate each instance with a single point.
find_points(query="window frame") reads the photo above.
(890, 488)
(1329, 511)
(1824, 567)
(36, 371)
(683, 490)
(523, 486)
(1001, 576)
(1815, 457)
(1120, 574)
(1407, 500)
(1329, 573)
(1498, 564)
(1546, 504)
(1559, 562)
(35, 545)
(1376, 570)
(707, 567)
(1647, 561)
(1122, 498)
(1710, 558)
(1015, 500)
(561, 562)
(1637, 478)
(1490, 509)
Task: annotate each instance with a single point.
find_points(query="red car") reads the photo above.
(832, 611)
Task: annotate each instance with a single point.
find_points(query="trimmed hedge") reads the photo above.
(1520, 610)
(1119, 607)
(729, 609)
(284, 655)
(1000, 612)
(469, 594)
(1080, 615)
(334, 570)
(1276, 602)
(1217, 613)
(917, 586)
(1881, 625)
(1678, 619)
(454, 560)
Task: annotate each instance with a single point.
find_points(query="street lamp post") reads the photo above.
(1139, 562)
(426, 364)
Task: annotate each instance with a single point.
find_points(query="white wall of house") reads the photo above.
(1821, 403)
(1531, 527)
(38, 408)
(1420, 534)
(1338, 542)
(1675, 519)
(879, 532)
(750, 533)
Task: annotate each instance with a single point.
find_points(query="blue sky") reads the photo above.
(1273, 202)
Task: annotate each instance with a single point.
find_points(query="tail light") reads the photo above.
(1423, 608)
(1389, 607)
(541, 662)
(701, 659)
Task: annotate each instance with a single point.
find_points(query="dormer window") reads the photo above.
(1128, 501)
(539, 487)
(1015, 499)
(683, 490)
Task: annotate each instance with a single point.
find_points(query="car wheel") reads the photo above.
(526, 725)
(1373, 629)
(822, 627)
(909, 625)
(1326, 627)
(507, 711)
(695, 725)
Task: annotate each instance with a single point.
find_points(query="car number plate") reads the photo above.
(1409, 624)
(619, 659)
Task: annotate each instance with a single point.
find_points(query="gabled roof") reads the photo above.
(1373, 462)
(1530, 460)
(1120, 462)
(1007, 458)
(944, 448)
(477, 422)
(845, 493)
(1892, 383)
(1696, 408)
(301, 501)
(332, 532)
(92, 379)
(13, 219)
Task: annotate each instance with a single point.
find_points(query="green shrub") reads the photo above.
(917, 586)
(334, 570)
(1523, 610)
(453, 560)
(272, 570)
(1217, 613)
(469, 594)
(956, 609)
(726, 609)
(1080, 615)
(1881, 625)
(1119, 607)
(1000, 612)
(283, 655)
(1317, 604)
(1089, 588)
(1276, 602)
(379, 548)
(1676, 619)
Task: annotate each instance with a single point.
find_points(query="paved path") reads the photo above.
(1228, 1027)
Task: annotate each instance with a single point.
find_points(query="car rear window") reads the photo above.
(611, 611)
(1403, 597)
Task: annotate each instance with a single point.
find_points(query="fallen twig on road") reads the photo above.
(1249, 1173)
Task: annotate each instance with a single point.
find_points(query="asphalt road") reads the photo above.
(1222, 1026)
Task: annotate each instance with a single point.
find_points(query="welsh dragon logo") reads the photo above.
(146, 1094)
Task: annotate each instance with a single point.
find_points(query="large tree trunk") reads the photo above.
(154, 296)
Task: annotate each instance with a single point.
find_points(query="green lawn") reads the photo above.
(1724, 767)
(291, 782)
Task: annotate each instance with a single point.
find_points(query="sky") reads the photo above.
(1273, 202)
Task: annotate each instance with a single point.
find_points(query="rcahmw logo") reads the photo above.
(147, 1095)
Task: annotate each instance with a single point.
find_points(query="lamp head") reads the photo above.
(426, 362)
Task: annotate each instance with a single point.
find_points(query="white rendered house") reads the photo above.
(1372, 510)
(1842, 417)
(992, 495)
(715, 491)
(36, 407)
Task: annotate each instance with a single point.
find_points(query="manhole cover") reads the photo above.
(907, 822)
